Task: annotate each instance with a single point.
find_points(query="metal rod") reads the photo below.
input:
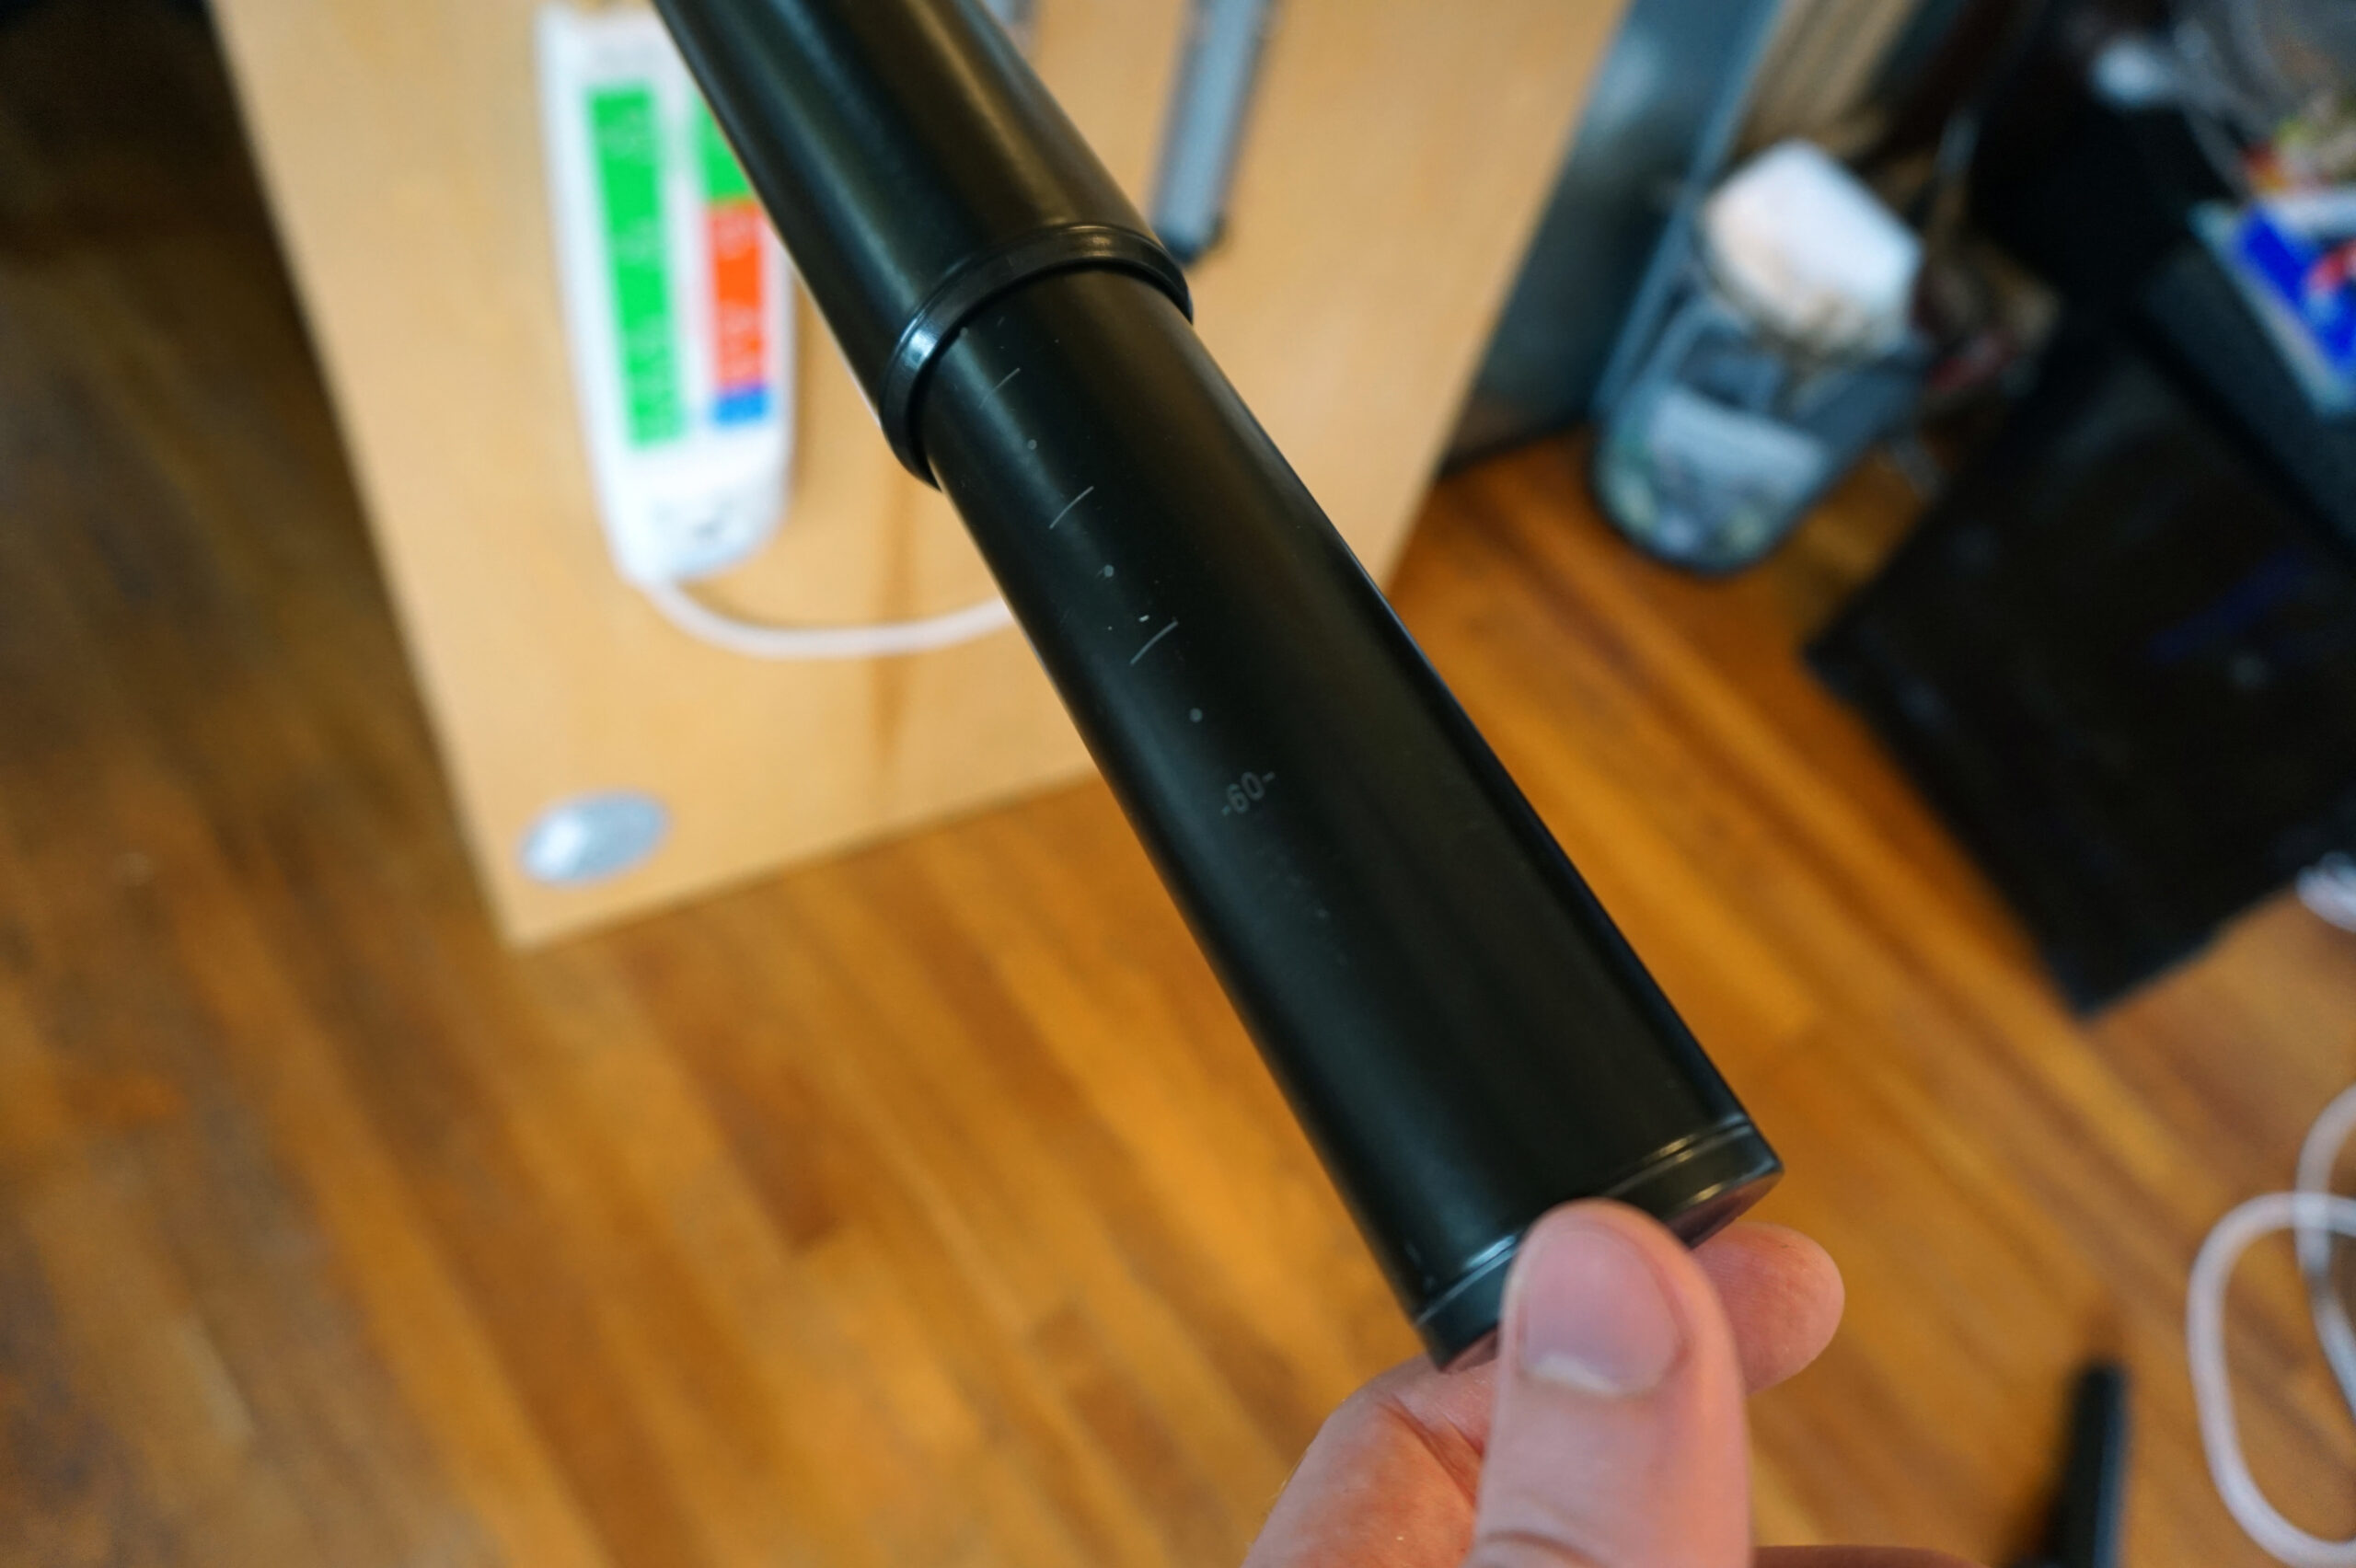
(1202, 136)
(1463, 1033)
(1018, 17)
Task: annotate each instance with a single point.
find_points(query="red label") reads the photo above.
(739, 329)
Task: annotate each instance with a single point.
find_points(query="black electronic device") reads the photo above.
(2119, 653)
(1457, 1022)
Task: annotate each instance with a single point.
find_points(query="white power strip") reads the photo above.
(676, 299)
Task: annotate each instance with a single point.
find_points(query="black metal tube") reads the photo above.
(1462, 1030)
(915, 168)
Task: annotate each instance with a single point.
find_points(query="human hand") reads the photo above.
(1606, 1433)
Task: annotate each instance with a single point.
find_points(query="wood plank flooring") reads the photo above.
(927, 1206)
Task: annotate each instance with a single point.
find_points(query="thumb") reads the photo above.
(1619, 1438)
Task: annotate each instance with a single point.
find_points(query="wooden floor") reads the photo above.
(927, 1207)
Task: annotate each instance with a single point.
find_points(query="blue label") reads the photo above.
(747, 405)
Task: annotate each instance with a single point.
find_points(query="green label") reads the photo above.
(723, 177)
(626, 129)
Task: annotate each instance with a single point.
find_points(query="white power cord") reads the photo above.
(2316, 1215)
(2317, 1156)
(879, 640)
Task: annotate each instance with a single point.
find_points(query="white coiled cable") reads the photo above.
(2317, 1216)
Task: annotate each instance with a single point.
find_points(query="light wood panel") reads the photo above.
(925, 1207)
(1395, 166)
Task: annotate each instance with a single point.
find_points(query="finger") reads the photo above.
(1783, 1298)
(1443, 1407)
(1854, 1557)
(1618, 1440)
(1382, 1486)
(1782, 1293)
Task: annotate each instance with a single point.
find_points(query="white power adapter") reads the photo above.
(675, 300)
